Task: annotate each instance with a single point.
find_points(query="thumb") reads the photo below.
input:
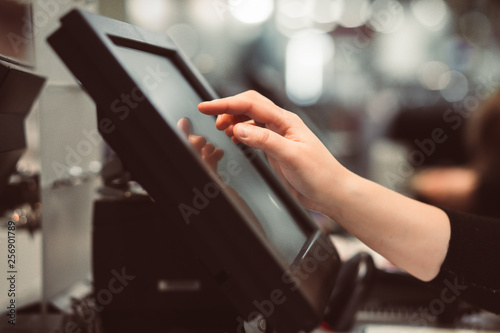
(261, 138)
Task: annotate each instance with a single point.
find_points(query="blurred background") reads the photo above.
(390, 86)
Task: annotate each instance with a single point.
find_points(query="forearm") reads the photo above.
(409, 233)
(412, 235)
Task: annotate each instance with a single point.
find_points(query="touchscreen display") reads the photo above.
(177, 101)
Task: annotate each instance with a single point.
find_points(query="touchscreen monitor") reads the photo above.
(175, 99)
(260, 246)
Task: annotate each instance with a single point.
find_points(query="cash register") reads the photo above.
(225, 219)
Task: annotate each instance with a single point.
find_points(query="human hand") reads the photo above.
(207, 150)
(301, 161)
(412, 235)
(212, 156)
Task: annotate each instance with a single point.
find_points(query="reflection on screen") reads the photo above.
(166, 88)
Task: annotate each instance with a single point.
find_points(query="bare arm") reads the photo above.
(411, 234)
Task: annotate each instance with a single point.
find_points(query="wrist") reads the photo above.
(341, 194)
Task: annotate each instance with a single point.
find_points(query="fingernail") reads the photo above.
(242, 131)
(204, 103)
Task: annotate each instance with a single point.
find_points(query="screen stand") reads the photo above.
(146, 278)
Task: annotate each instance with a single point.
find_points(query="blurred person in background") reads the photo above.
(474, 188)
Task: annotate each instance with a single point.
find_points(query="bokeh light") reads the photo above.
(306, 54)
(251, 11)
(292, 14)
(151, 14)
(400, 54)
(430, 75)
(431, 13)
(387, 16)
(327, 11)
(355, 13)
(456, 88)
(295, 15)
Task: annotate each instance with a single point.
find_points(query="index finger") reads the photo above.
(250, 104)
